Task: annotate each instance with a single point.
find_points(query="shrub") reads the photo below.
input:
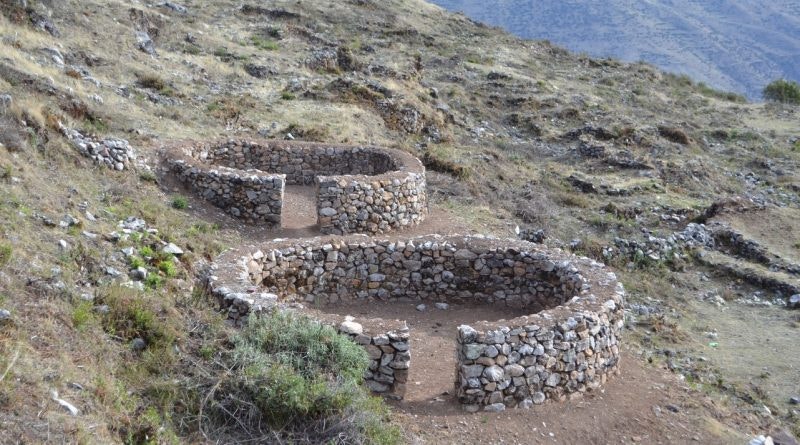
(784, 91)
(303, 380)
(180, 202)
(262, 43)
(288, 96)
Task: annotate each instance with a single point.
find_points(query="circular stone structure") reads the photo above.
(359, 189)
(566, 343)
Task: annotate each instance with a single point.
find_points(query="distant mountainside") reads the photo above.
(735, 45)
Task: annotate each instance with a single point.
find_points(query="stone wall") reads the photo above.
(359, 189)
(252, 196)
(568, 345)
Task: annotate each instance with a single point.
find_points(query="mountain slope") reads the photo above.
(735, 46)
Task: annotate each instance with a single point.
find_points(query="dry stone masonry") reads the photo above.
(359, 189)
(567, 343)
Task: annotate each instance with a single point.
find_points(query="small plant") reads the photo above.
(288, 96)
(148, 176)
(180, 202)
(5, 254)
(168, 267)
(147, 252)
(153, 281)
(783, 91)
(262, 43)
(82, 315)
(136, 262)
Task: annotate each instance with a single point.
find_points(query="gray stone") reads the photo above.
(5, 315)
(327, 211)
(494, 373)
(140, 273)
(538, 398)
(553, 379)
(472, 371)
(495, 408)
(467, 334)
(351, 327)
(442, 306)
(138, 344)
(794, 400)
(794, 301)
(525, 404)
(422, 307)
(514, 370)
(172, 249)
(473, 350)
(145, 43)
(491, 351)
(377, 386)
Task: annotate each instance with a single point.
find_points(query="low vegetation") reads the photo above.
(783, 91)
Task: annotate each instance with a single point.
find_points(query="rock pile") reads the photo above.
(111, 152)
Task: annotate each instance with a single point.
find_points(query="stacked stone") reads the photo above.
(569, 346)
(350, 205)
(252, 196)
(360, 189)
(114, 153)
(527, 365)
(389, 354)
(590, 150)
(467, 270)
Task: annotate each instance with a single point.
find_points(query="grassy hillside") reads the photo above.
(503, 125)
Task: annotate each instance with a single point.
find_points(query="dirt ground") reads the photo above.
(643, 404)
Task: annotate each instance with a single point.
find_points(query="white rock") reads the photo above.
(351, 327)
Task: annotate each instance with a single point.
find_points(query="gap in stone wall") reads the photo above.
(433, 333)
(299, 210)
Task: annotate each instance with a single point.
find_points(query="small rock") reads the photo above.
(421, 307)
(140, 273)
(495, 408)
(145, 43)
(172, 249)
(794, 400)
(351, 327)
(442, 306)
(66, 405)
(672, 408)
(175, 7)
(128, 251)
(113, 272)
(102, 309)
(5, 315)
(138, 344)
(794, 301)
(525, 404)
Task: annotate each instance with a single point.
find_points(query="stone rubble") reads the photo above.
(114, 153)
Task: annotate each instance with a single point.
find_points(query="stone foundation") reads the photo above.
(568, 345)
(359, 189)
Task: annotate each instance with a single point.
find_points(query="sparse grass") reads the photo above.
(6, 252)
(286, 95)
(262, 43)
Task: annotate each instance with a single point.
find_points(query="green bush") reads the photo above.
(180, 202)
(304, 380)
(784, 91)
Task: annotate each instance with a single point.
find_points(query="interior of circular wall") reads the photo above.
(358, 189)
(564, 341)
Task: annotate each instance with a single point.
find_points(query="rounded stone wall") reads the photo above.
(359, 189)
(564, 342)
